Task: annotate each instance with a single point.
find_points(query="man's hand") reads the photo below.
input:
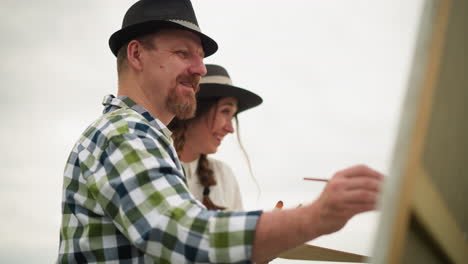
(349, 192)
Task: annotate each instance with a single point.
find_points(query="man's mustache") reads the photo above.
(194, 81)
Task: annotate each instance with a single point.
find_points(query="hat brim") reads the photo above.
(245, 99)
(126, 34)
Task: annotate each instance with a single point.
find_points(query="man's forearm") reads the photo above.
(349, 192)
(281, 230)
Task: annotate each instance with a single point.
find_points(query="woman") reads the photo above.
(211, 181)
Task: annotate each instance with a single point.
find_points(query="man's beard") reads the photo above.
(182, 105)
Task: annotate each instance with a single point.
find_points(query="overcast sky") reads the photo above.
(332, 74)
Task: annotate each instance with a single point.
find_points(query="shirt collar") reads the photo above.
(190, 167)
(112, 103)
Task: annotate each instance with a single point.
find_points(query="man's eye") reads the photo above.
(182, 53)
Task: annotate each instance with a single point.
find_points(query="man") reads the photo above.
(125, 198)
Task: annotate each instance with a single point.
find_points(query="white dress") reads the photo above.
(225, 193)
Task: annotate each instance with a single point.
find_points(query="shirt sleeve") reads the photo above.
(141, 190)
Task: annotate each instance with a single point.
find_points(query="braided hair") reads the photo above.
(205, 174)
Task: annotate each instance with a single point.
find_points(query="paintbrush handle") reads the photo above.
(316, 179)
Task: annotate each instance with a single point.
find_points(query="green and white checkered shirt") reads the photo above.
(125, 199)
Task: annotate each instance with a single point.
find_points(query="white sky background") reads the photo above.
(332, 75)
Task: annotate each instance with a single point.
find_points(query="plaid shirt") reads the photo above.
(125, 199)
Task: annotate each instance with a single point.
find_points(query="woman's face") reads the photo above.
(205, 134)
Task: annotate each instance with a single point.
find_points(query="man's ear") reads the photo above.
(134, 50)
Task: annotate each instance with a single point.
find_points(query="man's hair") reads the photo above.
(147, 43)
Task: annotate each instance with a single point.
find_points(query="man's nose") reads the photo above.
(198, 67)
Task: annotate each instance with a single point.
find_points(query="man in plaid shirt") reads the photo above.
(125, 199)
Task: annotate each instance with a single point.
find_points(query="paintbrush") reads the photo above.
(316, 179)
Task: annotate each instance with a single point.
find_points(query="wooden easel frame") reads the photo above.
(412, 193)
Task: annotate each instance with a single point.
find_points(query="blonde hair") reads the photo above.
(147, 43)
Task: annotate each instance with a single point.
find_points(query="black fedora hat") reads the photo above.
(148, 16)
(217, 83)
